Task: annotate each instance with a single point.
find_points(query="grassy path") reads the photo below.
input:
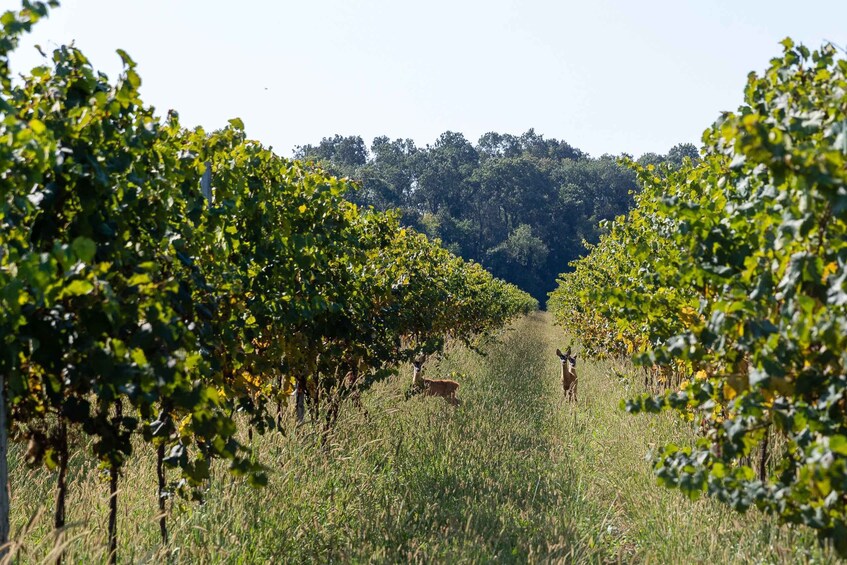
(513, 475)
(483, 482)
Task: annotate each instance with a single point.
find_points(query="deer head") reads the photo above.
(566, 358)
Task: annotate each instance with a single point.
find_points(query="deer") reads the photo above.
(444, 388)
(568, 373)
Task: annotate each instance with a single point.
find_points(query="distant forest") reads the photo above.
(519, 205)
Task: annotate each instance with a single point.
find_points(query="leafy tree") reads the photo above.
(339, 154)
(654, 159)
(493, 144)
(387, 180)
(443, 173)
(524, 248)
(536, 146)
(591, 191)
(678, 153)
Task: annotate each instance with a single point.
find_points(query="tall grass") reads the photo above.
(514, 474)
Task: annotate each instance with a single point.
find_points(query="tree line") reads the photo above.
(521, 205)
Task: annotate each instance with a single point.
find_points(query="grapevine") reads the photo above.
(137, 305)
(732, 271)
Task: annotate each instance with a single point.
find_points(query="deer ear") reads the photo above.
(569, 352)
(559, 354)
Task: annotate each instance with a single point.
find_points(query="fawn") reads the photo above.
(568, 373)
(444, 388)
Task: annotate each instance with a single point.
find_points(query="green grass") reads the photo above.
(513, 475)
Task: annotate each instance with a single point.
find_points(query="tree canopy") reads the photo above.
(522, 205)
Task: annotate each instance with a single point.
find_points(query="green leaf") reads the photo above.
(37, 126)
(138, 357)
(84, 249)
(139, 279)
(77, 288)
(125, 58)
(133, 79)
(838, 444)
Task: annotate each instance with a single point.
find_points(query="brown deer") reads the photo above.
(568, 373)
(444, 388)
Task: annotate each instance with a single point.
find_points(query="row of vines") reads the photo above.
(729, 279)
(166, 286)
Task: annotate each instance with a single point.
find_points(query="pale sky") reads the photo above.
(607, 76)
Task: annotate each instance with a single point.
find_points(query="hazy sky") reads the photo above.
(607, 76)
